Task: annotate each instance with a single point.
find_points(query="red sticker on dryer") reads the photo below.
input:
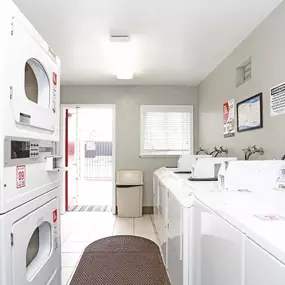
(54, 216)
(21, 176)
(54, 78)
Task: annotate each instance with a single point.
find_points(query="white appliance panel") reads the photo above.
(261, 268)
(219, 249)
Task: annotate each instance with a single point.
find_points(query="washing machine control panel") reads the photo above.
(26, 151)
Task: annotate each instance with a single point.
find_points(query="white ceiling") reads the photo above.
(176, 42)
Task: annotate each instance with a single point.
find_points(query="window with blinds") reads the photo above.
(166, 130)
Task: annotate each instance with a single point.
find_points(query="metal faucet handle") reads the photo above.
(259, 150)
(246, 149)
(225, 150)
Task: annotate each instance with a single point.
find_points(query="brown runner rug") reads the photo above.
(121, 260)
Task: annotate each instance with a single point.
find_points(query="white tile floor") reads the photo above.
(80, 229)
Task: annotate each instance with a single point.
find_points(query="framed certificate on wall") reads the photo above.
(249, 114)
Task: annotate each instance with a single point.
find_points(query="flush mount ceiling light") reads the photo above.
(122, 57)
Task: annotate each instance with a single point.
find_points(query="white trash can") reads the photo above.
(129, 193)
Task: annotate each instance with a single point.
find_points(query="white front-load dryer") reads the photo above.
(31, 94)
(29, 110)
(30, 243)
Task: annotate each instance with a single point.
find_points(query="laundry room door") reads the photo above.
(72, 156)
(89, 150)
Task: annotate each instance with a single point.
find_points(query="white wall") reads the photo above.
(128, 100)
(266, 46)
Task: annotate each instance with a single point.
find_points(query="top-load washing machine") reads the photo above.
(175, 209)
(227, 225)
(239, 239)
(29, 111)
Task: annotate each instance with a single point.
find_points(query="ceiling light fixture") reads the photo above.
(122, 57)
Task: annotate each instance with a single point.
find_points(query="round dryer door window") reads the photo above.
(37, 85)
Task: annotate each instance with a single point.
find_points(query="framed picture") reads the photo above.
(249, 114)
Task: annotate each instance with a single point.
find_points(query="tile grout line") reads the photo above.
(74, 269)
(114, 226)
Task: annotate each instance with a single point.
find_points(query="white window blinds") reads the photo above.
(166, 130)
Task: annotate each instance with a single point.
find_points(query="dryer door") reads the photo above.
(33, 80)
(36, 254)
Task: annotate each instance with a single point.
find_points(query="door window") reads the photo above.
(38, 249)
(33, 247)
(37, 86)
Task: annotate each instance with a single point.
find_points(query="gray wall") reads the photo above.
(128, 100)
(266, 46)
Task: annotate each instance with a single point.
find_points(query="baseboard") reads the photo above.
(147, 210)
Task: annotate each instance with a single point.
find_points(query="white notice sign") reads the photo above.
(277, 100)
(280, 185)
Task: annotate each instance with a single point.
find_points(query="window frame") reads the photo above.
(165, 108)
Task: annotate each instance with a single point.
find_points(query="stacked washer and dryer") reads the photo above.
(29, 165)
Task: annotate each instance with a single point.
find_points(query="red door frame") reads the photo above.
(66, 160)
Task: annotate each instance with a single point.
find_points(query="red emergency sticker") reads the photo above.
(54, 216)
(54, 78)
(21, 176)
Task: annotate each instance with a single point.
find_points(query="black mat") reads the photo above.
(121, 260)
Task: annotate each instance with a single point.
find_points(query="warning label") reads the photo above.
(244, 190)
(277, 100)
(270, 217)
(54, 91)
(21, 176)
(54, 216)
(55, 229)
